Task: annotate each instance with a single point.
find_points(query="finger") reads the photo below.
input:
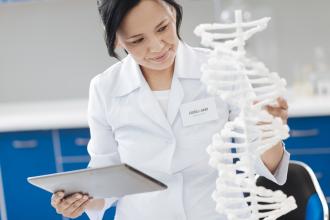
(283, 103)
(277, 112)
(68, 201)
(80, 209)
(263, 123)
(284, 116)
(76, 204)
(56, 198)
(274, 111)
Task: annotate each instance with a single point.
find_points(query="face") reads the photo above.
(148, 33)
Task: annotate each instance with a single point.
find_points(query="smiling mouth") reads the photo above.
(161, 57)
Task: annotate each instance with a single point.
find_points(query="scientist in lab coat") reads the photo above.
(138, 114)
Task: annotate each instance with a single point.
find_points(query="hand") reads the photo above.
(279, 111)
(71, 206)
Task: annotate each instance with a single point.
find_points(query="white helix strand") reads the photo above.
(250, 86)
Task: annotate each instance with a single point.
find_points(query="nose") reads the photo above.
(156, 44)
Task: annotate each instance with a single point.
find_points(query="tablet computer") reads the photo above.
(102, 182)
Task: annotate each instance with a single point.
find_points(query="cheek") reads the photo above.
(171, 34)
(138, 52)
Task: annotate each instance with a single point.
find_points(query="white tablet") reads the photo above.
(103, 182)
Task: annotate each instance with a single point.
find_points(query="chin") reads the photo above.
(161, 66)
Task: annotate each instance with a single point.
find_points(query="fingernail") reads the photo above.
(60, 194)
(78, 196)
(85, 197)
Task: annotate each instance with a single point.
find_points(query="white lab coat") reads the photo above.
(128, 125)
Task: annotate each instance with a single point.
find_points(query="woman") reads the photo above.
(138, 115)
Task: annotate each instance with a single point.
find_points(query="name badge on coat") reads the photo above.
(199, 111)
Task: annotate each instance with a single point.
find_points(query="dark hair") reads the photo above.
(112, 13)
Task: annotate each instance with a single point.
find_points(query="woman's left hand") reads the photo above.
(281, 110)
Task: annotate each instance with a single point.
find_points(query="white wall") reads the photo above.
(51, 49)
(288, 44)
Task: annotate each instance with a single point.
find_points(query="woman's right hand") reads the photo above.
(71, 206)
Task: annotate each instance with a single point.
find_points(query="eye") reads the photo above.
(162, 28)
(138, 41)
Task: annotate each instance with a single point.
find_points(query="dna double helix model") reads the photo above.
(248, 85)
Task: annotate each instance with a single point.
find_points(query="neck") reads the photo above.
(158, 79)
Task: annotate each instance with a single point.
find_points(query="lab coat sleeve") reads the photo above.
(102, 146)
(281, 172)
(280, 175)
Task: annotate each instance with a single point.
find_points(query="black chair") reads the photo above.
(302, 184)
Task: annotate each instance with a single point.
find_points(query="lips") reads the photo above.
(161, 57)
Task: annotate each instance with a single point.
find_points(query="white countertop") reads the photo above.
(43, 115)
(72, 113)
(309, 106)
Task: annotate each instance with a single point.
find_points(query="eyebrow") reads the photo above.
(137, 35)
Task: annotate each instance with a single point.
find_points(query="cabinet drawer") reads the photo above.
(27, 151)
(309, 132)
(74, 141)
(24, 154)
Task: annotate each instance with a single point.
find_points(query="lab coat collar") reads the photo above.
(185, 65)
(131, 78)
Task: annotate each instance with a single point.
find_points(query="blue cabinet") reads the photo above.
(24, 154)
(31, 153)
(310, 143)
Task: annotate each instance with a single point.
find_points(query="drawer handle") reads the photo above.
(25, 144)
(81, 142)
(304, 133)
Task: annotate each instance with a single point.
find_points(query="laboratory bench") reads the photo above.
(47, 137)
